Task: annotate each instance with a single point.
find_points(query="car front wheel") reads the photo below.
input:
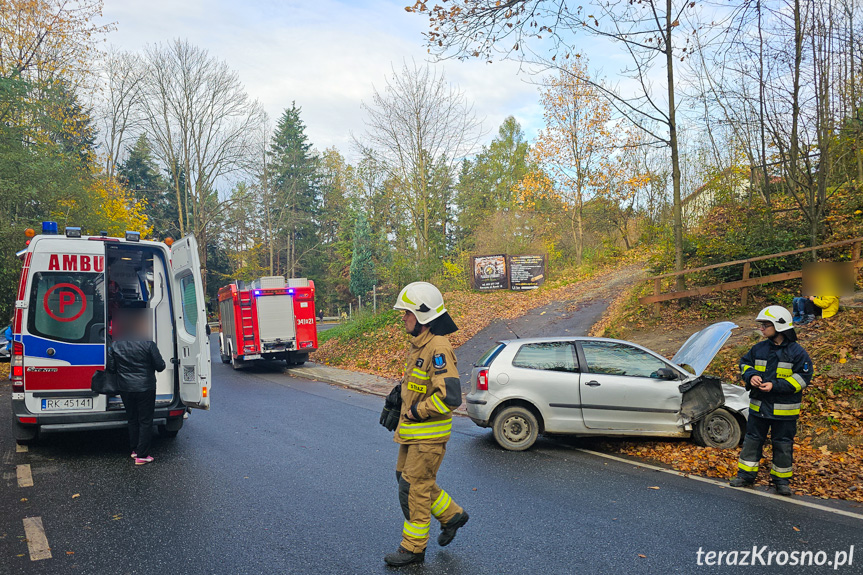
(719, 429)
(515, 428)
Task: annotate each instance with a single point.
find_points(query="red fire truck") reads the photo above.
(272, 318)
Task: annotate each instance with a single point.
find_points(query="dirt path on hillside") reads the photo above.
(668, 341)
(573, 312)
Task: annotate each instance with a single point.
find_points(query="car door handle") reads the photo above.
(592, 383)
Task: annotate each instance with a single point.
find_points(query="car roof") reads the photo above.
(572, 338)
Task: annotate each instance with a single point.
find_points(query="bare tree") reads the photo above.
(123, 74)
(652, 33)
(203, 126)
(418, 124)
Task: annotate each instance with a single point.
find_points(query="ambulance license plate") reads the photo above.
(67, 403)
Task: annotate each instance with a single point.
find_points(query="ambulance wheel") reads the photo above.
(165, 432)
(25, 434)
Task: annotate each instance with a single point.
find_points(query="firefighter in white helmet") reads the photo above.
(775, 371)
(430, 390)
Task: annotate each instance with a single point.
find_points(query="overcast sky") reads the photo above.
(326, 55)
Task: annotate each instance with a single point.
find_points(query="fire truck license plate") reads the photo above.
(67, 403)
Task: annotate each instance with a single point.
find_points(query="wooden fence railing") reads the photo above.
(745, 282)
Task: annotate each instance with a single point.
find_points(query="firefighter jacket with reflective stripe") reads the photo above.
(789, 368)
(430, 390)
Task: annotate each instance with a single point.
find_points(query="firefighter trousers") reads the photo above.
(782, 433)
(419, 494)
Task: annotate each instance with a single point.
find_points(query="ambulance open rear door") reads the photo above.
(193, 343)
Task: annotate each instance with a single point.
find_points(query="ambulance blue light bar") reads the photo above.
(49, 228)
(73, 232)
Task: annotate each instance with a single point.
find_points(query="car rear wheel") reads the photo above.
(719, 429)
(515, 428)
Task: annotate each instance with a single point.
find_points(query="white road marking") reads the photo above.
(37, 542)
(25, 477)
(725, 485)
(20, 448)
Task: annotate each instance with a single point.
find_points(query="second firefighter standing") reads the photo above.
(424, 400)
(776, 371)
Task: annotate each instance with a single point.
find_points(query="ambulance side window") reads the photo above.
(68, 307)
(190, 304)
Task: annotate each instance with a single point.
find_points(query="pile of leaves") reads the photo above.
(828, 452)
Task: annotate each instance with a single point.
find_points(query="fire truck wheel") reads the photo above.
(297, 359)
(225, 358)
(237, 364)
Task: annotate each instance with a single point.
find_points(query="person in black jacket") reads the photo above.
(776, 371)
(136, 360)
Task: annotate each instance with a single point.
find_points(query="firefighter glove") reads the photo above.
(392, 409)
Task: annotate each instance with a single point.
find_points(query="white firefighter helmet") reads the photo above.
(423, 299)
(778, 316)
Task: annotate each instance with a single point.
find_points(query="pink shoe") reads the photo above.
(134, 455)
(143, 460)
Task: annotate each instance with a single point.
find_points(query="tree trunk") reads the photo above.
(765, 184)
(677, 208)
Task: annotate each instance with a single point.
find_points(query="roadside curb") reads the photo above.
(359, 381)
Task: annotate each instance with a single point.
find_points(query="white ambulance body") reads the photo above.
(74, 297)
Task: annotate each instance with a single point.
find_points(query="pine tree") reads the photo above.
(141, 175)
(293, 205)
(363, 272)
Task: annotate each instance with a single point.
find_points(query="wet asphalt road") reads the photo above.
(290, 476)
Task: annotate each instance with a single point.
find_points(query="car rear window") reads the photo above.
(547, 356)
(68, 307)
(489, 356)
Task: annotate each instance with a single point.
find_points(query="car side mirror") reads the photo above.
(666, 373)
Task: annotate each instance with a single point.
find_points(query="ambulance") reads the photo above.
(77, 294)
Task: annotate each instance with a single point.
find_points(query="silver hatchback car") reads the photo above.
(596, 386)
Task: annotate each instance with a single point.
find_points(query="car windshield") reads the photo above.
(489, 356)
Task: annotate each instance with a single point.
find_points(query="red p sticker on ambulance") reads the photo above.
(64, 302)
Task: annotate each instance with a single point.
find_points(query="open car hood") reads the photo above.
(700, 349)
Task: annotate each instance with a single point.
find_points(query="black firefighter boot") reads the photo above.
(783, 489)
(448, 533)
(404, 557)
